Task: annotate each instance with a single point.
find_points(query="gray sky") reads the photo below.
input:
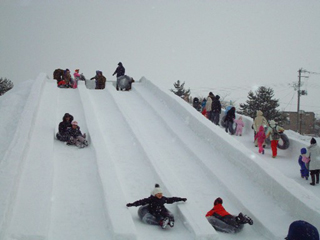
(227, 47)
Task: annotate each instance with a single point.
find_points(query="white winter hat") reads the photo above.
(156, 190)
(272, 123)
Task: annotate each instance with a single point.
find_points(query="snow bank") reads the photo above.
(293, 198)
(13, 160)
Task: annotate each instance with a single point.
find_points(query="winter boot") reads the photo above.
(317, 177)
(243, 219)
(171, 222)
(164, 223)
(313, 179)
(85, 142)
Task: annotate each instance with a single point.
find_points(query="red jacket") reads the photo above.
(218, 209)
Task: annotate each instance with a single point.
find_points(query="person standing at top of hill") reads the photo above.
(216, 110)
(58, 75)
(120, 70)
(100, 80)
(260, 120)
(209, 106)
(76, 76)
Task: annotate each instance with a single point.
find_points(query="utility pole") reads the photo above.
(299, 95)
(298, 108)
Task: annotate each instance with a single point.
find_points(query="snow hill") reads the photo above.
(52, 191)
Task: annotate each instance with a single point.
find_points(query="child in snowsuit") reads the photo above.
(76, 78)
(156, 206)
(240, 126)
(260, 137)
(218, 212)
(304, 162)
(76, 137)
(274, 134)
(63, 134)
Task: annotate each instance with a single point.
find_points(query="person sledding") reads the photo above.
(63, 134)
(154, 206)
(223, 221)
(75, 136)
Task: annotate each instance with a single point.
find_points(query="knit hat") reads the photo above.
(272, 123)
(313, 141)
(77, 70)
(301, 230)
(303, 151)
(156, 190)
(218, 201)
(74, 123)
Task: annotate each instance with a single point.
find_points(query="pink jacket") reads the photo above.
(239, 123)
(261, 136)
(76, 75)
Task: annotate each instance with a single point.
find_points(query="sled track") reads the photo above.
(179, 174)
(83, 192)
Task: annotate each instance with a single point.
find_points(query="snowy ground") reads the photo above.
(137, 138)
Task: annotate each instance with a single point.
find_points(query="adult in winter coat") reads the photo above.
(260, 120)
(75, 136)
(240, 126)
(223, 221)
(58, 75)
(209, 106)
(260, 137)
(67, 77)
(100, 80)
(120, 70)
(304, 163)
(63, 135)
(273, 133)
(216, 110)
(314, 165)
(231, 115)
(302, 230)
(155, 204)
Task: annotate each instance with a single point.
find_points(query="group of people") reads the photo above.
(309, 161)
(153, 211)
(64, 79)
(69, 132)
(273, 132)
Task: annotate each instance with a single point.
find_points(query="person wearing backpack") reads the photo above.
(274, 133)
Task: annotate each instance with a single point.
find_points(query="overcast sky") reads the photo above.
(227, 47)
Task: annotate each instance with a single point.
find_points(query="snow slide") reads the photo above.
(137, 138)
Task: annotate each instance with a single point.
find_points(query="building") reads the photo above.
(307, 122)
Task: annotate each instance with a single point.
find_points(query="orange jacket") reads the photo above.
(218, 209)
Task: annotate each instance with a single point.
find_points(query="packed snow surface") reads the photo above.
(49, 190)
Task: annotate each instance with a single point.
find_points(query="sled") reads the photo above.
(221, 226)
(124, 83)
(147, 217)
(283, 142)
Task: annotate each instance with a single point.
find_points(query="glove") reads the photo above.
(129, 205)
(184, 199)
(84, 135)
